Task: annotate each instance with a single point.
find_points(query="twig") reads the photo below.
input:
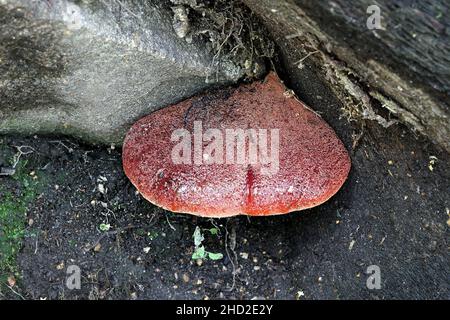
(36, 246)
(356, 137)
(292, 36)
(70, 150)
(232, 247)
(127, 9)
(109, 233)
(305, 57)
(16, 293)
(21, 153)
(170, 225)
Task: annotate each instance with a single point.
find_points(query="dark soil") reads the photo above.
(392, 212)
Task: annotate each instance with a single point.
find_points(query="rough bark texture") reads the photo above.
(402, 68)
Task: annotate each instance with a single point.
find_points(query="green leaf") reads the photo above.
(105, 227)
(215, 256)
(214, 231)
(199, 253)
(198, 237)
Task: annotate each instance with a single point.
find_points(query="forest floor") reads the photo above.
(70, 204)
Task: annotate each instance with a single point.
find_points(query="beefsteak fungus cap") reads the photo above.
(253, 150)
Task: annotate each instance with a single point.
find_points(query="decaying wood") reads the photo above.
(402, 68)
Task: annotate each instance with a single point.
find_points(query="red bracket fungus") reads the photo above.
(253, 150)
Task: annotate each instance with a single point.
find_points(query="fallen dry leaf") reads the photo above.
(11, 281)
(98, 247)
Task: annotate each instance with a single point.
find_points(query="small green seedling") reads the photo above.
(215, 256)
(199, 253)
(104, 227)
(214, 231)
(199, 250)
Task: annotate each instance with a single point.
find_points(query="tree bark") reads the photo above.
(397, 73)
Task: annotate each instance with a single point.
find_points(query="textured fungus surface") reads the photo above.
(312, 161)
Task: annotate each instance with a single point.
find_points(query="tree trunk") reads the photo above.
(399, 71)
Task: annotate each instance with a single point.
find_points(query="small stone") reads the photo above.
(185, 277)
(101, 188)
(146, 249)
(98, 247)
(350, 246)
(244, 255)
